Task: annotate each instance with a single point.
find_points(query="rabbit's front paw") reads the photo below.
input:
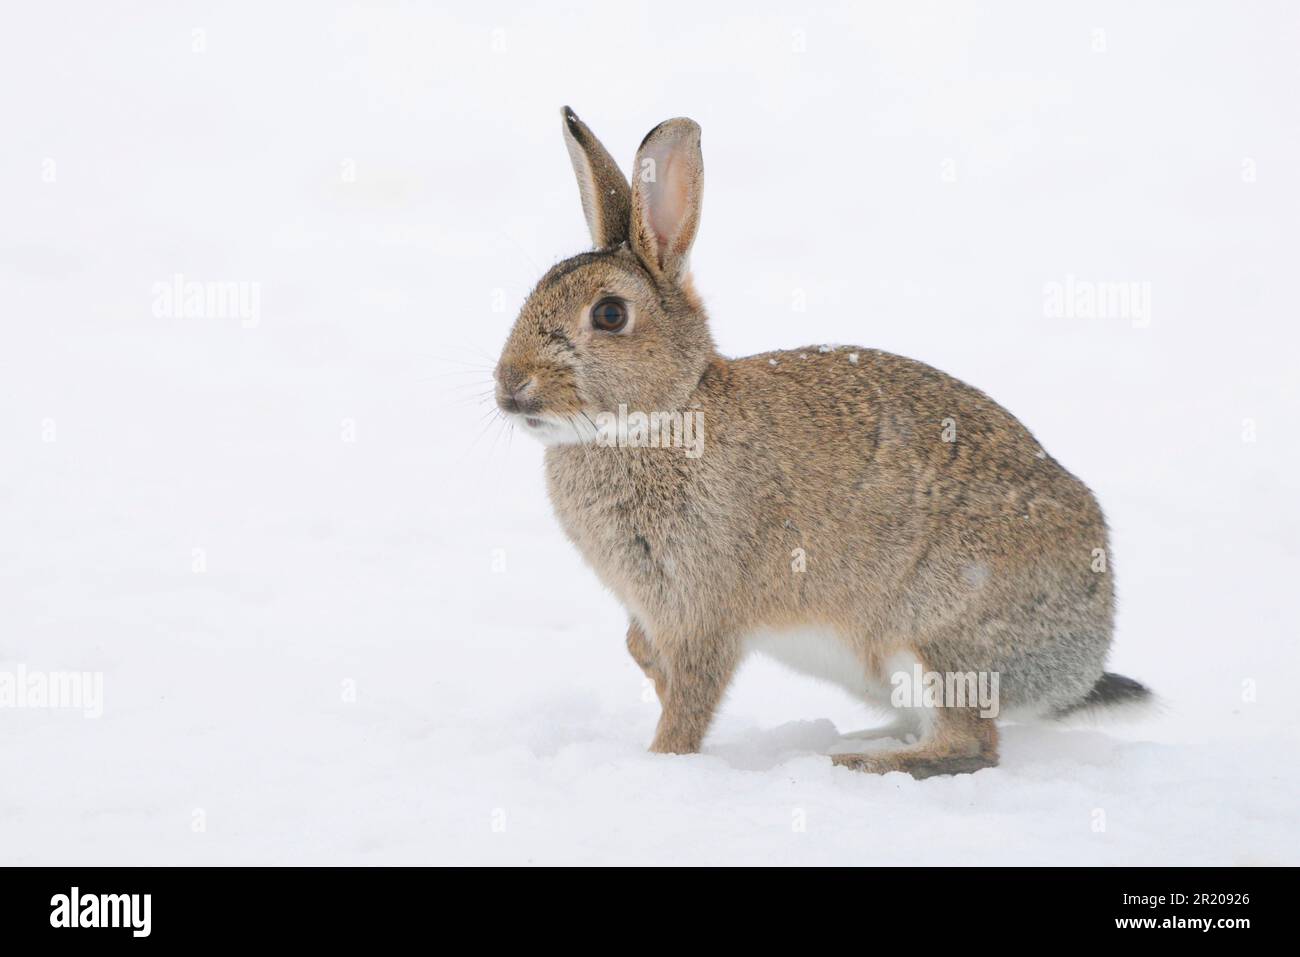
(675, 742)
(642, 653)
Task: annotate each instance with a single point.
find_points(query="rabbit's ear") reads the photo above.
(606, 199)
(667, 186)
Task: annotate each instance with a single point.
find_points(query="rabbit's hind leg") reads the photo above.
(957, 741)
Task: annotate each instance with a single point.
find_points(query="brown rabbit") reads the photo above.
(858, 515)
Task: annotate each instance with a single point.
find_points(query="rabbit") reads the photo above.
(857, 515)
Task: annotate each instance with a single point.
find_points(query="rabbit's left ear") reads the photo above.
(606, 198)
(667, 187)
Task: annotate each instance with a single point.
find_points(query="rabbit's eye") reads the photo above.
(609, 315)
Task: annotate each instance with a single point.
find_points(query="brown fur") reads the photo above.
(971, 555)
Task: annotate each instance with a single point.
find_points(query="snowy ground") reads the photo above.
(281, 540)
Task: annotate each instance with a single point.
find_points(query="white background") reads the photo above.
(497, 717)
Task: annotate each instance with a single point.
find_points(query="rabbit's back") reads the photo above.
(969, 543)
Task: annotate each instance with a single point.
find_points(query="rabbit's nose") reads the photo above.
(518, 398)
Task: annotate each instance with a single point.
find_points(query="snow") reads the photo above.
(334, 618)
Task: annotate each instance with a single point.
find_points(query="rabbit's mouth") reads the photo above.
(551, 428)
(540, 424)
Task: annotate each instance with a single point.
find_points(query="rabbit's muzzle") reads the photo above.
(517, 390)
(527, 389)
(519, 399)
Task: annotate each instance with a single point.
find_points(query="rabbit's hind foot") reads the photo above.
(958, 742)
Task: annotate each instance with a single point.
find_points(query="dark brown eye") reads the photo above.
(609, 315)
